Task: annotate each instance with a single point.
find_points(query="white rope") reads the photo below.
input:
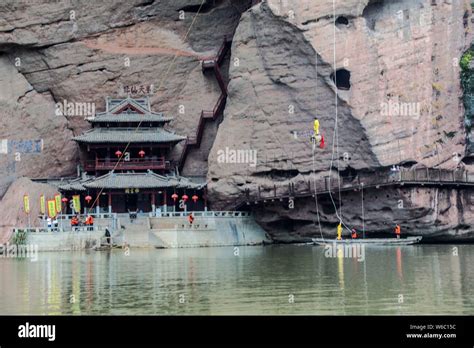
(335, 143)
(315, 190)
(363, 218)
(314, 165)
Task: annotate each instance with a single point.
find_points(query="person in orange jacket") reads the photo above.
(191, 218)
(397, 231)
(354, 234)
(90, 222)
(74, 222)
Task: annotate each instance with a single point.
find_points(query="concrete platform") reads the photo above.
(169, 230)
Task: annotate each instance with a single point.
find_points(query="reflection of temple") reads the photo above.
(126, 166)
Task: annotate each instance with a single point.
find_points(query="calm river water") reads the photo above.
(279, 279)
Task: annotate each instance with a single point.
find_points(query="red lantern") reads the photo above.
(141, 153)
(194, 198)
(88, 198)
(64, 200)
(174, 196)
(118, 153)
(185, 197)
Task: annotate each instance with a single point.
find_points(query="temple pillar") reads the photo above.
(165, 207)
(153, 204)
(205, 198)
(110, 202)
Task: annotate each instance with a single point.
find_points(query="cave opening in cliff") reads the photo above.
(204, 8)
(372, 11)
(342, 21)
(342, 79)
(349, 172)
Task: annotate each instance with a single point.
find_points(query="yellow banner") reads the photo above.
(57, 198)
(26, 204)
(42, 205)
(52, 208)
(76, 203)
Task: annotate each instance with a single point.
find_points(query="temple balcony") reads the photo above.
(133, 164)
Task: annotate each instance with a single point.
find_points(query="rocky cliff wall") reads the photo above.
(400, 53)
(389, 70)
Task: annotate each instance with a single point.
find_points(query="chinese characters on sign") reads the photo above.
(138, 90)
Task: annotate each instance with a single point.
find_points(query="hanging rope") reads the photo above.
(335, 143)
(316, 193)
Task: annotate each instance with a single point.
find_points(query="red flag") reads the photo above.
(321, 144)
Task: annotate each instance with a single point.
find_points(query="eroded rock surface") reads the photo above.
(282, 74)
(403, 105)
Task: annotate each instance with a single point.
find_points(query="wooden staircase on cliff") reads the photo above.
(211, 64)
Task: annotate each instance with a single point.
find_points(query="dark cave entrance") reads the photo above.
(342, 79)
(342, 21)
(348, 173)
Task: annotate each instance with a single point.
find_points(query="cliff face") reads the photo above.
(395, 68)
(389, 70)
(403, 104)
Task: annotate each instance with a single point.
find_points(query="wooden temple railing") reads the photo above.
(214, 65)
(417, 177)
(133, 164)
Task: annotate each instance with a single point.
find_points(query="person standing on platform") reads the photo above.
(354, 234)
(397, 231)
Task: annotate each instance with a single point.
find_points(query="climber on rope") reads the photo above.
(316, 138)
(339, 231)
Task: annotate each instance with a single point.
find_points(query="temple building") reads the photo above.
(125, 163)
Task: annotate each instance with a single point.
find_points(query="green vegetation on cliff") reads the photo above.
(467, 82)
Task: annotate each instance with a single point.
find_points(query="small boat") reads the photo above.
(369, 241)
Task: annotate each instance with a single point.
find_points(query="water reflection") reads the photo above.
(431, 279)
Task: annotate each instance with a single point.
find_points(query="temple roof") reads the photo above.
(73, 185)
(121, 135)
(140, 105)
(129, 117)
(128, 110)
(131, 180)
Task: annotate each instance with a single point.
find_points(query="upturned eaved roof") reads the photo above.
(129, 117)
(121, 135)
(73, 185)
(128, 110)
(130, 180)
(141, 105)
(146, 180)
